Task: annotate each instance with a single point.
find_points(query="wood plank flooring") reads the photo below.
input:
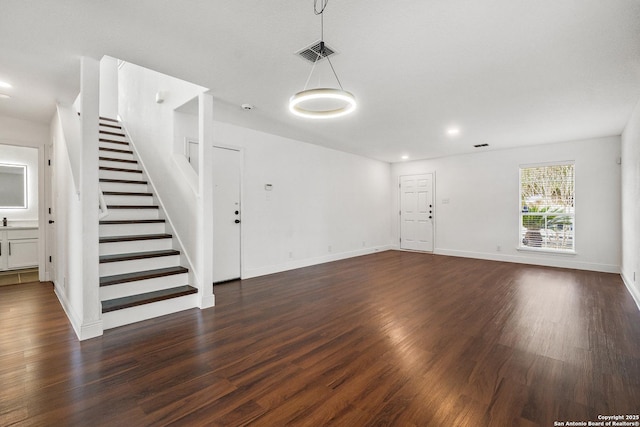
(393, 338)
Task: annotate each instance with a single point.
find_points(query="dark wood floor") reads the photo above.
(388, 339)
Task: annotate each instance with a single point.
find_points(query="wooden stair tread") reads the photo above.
(115, 150)
(131, 221)
(134, 237)
(123, 181)
(106, 168)
(115, 159)
(132, 207)
(147, 298)
(110, 126)
(138, 255)
(125, 193)
(106, 132)
(142, 275)
(111, 141)
(108, 119)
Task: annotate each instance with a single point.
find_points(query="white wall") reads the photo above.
(16, 155)
(482, 212)
(23, 132)
(108, 87)
(631, 204)
(75, 208)
(321, 198)
(151, 128)
(68, 242)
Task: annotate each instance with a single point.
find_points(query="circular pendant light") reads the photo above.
(322, 102)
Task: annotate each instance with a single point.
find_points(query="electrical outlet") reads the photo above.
(498, 248)
(364, 243)
(290, 254)
(329, 248)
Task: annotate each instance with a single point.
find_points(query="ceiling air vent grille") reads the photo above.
(312, 53)
(481, 145)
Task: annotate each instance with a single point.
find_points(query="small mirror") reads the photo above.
(13, 186)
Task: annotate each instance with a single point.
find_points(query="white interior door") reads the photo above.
(193, 153)
(416, 212)
(51, 194)
(226, 214)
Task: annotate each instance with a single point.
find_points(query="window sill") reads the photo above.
(547, 251)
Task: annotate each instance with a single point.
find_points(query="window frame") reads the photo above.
(553, 251)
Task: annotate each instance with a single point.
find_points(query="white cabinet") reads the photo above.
(18, 248)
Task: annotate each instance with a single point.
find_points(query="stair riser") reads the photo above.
(104, 144)
(127, 214)
(131, 176)
(123, 267)
(119, 165)
(134, 246)
(130, 229)
(127, 316)
(116, 155)
(128, 200)
(130, 188)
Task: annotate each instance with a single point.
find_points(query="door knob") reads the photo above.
(237, 221)
(237, 212)
(430, 217)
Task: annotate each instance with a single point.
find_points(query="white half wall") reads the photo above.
(324, 204)
(631, 205)
(476, 207)
(151, 128)
(68, 253)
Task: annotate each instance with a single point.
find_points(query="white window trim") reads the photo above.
(520, 247)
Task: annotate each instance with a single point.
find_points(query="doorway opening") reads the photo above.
(20, 234)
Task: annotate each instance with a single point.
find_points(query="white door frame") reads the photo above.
(43, 200)
(433, 223)
(241, 152)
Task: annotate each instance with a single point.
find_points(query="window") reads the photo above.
(547, 209)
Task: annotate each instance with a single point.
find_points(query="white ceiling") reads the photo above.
(506, 72)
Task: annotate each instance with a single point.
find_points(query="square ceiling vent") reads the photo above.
(312, 53)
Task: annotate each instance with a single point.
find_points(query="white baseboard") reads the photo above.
(307, 262)
(207, 301)
(83, 331)
(560, 262)
(635, 292)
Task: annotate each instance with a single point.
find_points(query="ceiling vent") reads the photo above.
(312, 53)
(481, 145)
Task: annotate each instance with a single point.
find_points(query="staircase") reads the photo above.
(140, 272)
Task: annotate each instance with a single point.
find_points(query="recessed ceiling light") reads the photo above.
(453, 131)
(405, 157)
(5, 84)
(5, 96)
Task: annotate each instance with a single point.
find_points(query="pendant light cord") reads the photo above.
(320, 55)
